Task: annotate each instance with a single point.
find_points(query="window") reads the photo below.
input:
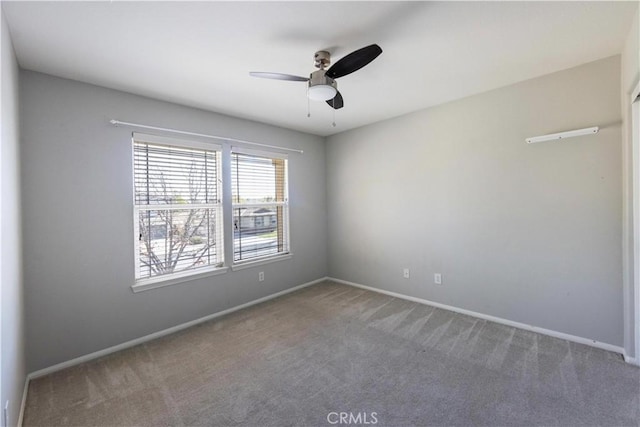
(179, 205)
(260, 205)
(177, 208)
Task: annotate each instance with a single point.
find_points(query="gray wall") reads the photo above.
(11, 317)
(528, 233)
(78, 220)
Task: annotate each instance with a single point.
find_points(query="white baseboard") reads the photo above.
(549, 332)
(155, 335)
(23, 403)
(630, 360)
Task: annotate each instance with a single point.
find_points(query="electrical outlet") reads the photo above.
(437, 279)
(261, 276)
(6, 413)
(405, 273)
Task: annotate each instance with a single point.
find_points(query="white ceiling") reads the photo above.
(200, 53)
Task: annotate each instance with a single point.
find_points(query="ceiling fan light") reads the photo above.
(321, 92)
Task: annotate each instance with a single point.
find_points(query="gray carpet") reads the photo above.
(332, 348)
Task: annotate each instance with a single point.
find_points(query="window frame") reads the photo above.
(141, 284)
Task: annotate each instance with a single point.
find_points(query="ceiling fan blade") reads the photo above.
(278, 76)
(337, 102)
(354, 61)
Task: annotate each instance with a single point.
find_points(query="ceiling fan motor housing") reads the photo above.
(318, 78)
(321, 87)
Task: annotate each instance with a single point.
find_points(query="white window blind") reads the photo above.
(177, 208)
(260, 205)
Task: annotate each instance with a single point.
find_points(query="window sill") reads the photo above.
(161, 282)
(260, 261)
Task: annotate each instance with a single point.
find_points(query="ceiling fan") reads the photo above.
(322, 83)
